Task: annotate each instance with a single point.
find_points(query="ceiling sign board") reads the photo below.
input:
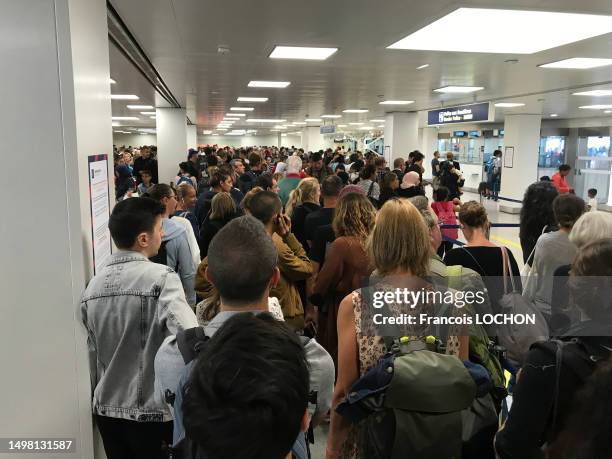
(460, 114)
(328, 129)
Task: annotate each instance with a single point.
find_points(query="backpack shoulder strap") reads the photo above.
(190, 342)
(369, 195)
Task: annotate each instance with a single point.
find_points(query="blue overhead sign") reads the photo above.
(459, 114)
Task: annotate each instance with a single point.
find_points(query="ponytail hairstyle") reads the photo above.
(306, 191)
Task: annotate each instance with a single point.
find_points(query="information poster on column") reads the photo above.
(99, 202)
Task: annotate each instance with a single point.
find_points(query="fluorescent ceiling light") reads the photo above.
(111, 81)
(424, 66)
(313, 120)
(274, 130)
(355, 110)
(377, 121)
(264, 120)
(124, 118)
(580, 63)
(269, 84)
(596, 107)
(356, 124)
(396, 102)
(595, 93)
(342, 125)
(140, 107)
(153, 117)
(230, 118)
(509, 104)
(207, 132)
(235, 114)
(280, 127)
(241, 109)
(607, 111)
(252, 99)
(302, 52)
(124, 97)
(458, 89)
(365, 128)
(222, 129)
(331, 116)
(475, 23)
(553, 115)
(299, 123)
(148, 113)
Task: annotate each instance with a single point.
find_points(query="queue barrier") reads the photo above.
(493, 225)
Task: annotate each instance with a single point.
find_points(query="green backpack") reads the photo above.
(482, 348)
(410, 404)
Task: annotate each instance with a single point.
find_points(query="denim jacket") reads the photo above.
(128, 309)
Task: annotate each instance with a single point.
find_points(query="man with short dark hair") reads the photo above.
(128, 309)
(435, 170)
(145, 162)
(330, 190)
(317, 169)
(259, 411)
(559, 179)
(247, 180)
(242, 267)
(398, 168)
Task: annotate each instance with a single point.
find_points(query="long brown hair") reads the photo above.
(354, 216)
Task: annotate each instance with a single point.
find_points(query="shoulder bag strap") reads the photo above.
(507, 270)
(370, 189)
(475, 260)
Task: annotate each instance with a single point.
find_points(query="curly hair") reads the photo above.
(537, 210)
(355, 216)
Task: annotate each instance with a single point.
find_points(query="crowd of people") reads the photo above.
(236, 315)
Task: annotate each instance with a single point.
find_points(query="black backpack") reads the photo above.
(162, 257)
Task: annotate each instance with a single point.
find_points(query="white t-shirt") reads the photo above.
(592, 204)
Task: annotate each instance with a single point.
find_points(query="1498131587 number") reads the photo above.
(37, 445)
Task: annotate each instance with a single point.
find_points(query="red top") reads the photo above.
(560, 183)
(445, 210)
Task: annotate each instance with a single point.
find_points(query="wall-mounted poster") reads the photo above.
(99, 202)
(509, 157)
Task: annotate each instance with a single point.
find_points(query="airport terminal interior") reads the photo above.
(290, 229)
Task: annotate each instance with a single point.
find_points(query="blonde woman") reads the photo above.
(399, 246)
(346, 265)
(302, 201)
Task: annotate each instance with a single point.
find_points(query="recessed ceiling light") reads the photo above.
(299, 123)
(596, 107)
(302, 52)
(607, 111)
(140, 107)
(331, 116)
(356, 124)
(509, 104)
(365, 128)
(274, 130)
(377, 121)
(269, 84)
(313, 120)
(280, 127)
(235, 114)
(252, 99)
(124, 118)
(264, 120)
(241, 109)
(396, 102)
(595, 93)
(458, 89)
(580, 63)
(148, 113)
(111, 81)
(342, 125)
(124, 97)
(553, 115)
(222, 129)
(207, 132)
(153, 117)
(421, 67)
(228, 118)
(355, 110)
(476, 23)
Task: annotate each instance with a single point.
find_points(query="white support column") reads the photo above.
(429, 144)
(313, 140)
(279, 139)
(401, 135)
(46, 386)
(522, 134)
(192, 136)
(171, 142)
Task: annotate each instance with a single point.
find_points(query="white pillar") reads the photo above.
(192, 136)
(522, 137)
(313, 140)
(279, 139)
(171, 142)
(429, 144)
(46, 385)
(401, 135)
